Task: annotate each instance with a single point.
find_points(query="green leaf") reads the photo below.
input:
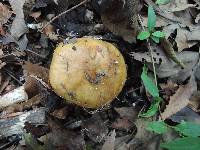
(151, 18)
(157, 126)
(155, 39)
(149, 84)
(143, 35)
(162, 2)
(152, 109)
(159, 34)
(188, 129)
(186, 143)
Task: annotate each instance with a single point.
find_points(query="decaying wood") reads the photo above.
(15, 125)
(15, 96)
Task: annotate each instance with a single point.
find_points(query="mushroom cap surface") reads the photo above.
(87, 72)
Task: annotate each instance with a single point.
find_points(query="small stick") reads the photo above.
(12, 76)
(56, 17)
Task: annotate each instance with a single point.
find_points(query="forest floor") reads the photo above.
(34, 117)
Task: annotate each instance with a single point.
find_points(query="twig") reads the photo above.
(56, 17)
(151, 52)
(12, 76)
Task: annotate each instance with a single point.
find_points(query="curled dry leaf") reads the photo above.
(180, 99)
(195, 102)
(49, 32)
(176, 5)
(35, 15)
(165, 67)
(5, 14)
(36, 70)
(18, 28)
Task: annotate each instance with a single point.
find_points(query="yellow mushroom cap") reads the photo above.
(87, 72)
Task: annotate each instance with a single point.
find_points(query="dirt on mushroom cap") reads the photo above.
(87, 72)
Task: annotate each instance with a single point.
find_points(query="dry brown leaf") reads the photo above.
(195, 102)
(36, 70)
(5, 14)
(2, 64)
(160, 21)
(122, 124)
(110, 142)
(49, 31)
(121, 18)
(144, 136)
(182, 20)
(165, 67)
(95, 128)
(18, 28)
(127, 112)
(35, 15)
(181, 40)
(4, 84)
(61, 113)
(176, 5)
(180, 99)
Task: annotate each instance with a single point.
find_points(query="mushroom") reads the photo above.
(87, 72)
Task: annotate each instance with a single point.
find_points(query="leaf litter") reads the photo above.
(25, 57)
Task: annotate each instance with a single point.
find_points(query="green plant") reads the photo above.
(189, 131)
(153, 91)
(162, 2)
(151, 32)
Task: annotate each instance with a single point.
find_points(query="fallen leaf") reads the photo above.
(121, 18)
(122, 124)
(176, 5)
(145, 137)
(36, 70)
(5, 14)
(160, 21)
(165, 67)
(95, 128)
(49, 32)
(186, 114)
(65, 139)
(194, 103)
(35, 15)
(60, 113)
(109, 143)
(127, 112)
(181, 40)
(18, 28)
(180, 99)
